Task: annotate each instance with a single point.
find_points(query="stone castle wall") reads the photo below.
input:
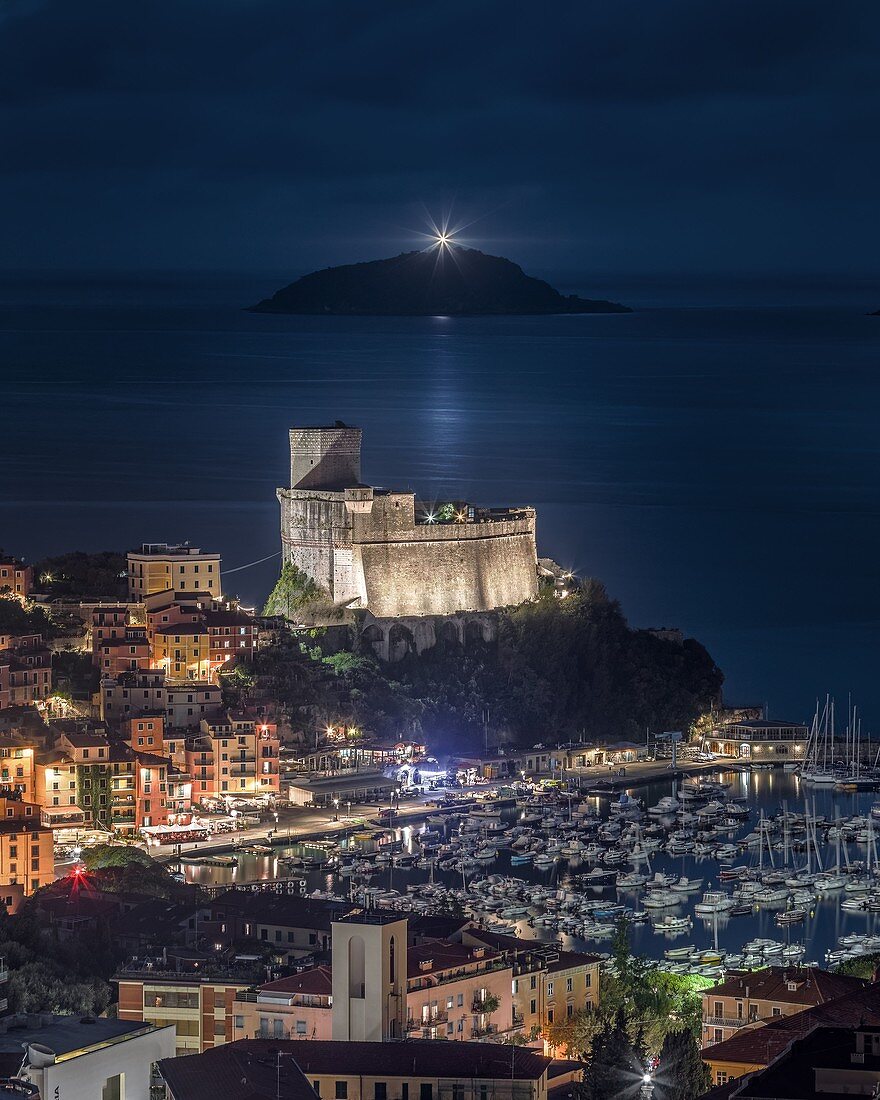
(439, 570)
(366, 550)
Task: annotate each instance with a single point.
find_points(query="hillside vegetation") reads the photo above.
(558, 670)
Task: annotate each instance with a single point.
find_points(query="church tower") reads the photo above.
(369, 977)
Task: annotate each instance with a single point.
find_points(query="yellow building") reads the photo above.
(158, 567)
(182, 651)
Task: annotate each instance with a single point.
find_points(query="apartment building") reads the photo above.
(25, 670)
(160, 567)
(201, 1007)
(255, 1069)
(16, 577)
(27, 859)
(754, 998)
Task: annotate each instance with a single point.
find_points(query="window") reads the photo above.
(300, 1027)
(533, 1006)
(460, 1001)
(549, 1015)
(342, 1090)
(569, 1011)
(549, 989)
(219, 1027)
(316, 1085)
(426, 1091)
(777, 1011)
(588, 979)
(533, 982)
(380, 1090)
(569, 985)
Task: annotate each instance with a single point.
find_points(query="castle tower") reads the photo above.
(325, 458)
(369, 977)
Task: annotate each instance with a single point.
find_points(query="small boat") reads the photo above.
(791, 916)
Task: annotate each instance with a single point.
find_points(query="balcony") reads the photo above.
(726, 1021)
(417, 1023)
(478, 1032)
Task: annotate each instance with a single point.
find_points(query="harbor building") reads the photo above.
(404, 562)
(759, 740)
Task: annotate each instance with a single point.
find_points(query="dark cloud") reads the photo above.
(633, 135)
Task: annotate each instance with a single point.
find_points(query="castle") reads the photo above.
(418, 571)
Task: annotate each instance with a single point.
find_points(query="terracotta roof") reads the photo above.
(812, 986)
(444, 956)
(263, 1069)
(760, 1045)
(318, 980)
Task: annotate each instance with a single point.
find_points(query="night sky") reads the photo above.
(279, 136)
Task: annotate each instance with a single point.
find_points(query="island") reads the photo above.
(449, 280)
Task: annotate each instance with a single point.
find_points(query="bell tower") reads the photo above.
(369, 977)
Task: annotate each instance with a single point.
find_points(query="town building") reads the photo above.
(125, 654)
(81, 1058)
(160, 567)
(756, 1047)
(184, 705)
(753, 998)
(827, 1063)
(760, 740)
(338, 790)
(16, 577)
(256, 1069)
(25, 670)
(198, 1001)
(27, 854)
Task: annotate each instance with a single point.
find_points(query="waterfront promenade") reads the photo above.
(298, 823)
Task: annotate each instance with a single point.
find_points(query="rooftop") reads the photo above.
(793, 1075)
(65, 1035)
(807, 985)
(317, 981)
(165, 549)
(760, 1045)
(262, 1069)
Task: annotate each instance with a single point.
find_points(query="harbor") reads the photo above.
(740, 869)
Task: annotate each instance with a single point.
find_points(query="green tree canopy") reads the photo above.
(293, 591)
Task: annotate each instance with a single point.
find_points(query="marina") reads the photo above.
(740, 869)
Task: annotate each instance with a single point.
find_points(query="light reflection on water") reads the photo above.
(767, 790)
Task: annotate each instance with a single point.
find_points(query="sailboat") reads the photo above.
(816, 768)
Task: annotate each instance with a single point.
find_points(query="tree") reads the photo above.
(293, 591)
(681, 1073)
(614, 1066)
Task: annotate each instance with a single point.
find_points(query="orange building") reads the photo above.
(246, 756)
(16, 576)
(108, 624)
(231, 634)
(17, 765)
(127, 653)
(151, 773)
(27, 859)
